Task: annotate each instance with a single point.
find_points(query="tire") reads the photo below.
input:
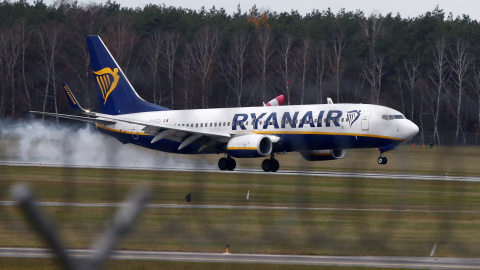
(380, 160)
(266, 166)
(231, 164)
(384, 160)
(274, 165)
(222, 164)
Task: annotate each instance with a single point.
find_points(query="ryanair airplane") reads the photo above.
(318, 132)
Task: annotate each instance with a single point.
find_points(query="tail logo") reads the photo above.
(107, 80)
(352, 116)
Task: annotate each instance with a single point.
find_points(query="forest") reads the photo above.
(427, 67)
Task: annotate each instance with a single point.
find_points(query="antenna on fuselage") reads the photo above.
(329, 100)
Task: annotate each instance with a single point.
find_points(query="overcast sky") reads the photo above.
(406, 8)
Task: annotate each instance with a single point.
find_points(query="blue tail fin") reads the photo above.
(115, 93)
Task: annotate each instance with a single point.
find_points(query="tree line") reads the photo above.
(427, 67)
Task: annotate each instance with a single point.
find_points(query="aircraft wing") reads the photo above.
(154, 127)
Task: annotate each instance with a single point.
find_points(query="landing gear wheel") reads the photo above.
(274, 165)
(222, 164)
(266, 165)
(231, 164)
(382, 160)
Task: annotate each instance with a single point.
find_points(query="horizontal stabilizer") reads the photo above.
(78, 118)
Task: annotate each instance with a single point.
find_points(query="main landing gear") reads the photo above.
(227, 163)
(381, 159)
(270, 165)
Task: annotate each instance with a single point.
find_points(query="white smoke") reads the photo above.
(48, 143)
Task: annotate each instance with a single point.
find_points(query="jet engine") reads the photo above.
(317, 155)
(252, 145)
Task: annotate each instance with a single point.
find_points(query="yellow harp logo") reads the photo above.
(107, 80)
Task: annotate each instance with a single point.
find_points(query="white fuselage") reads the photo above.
(298, 128)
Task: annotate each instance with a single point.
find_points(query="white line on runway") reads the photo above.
(365, 261)
(255, 171)
(76, 204)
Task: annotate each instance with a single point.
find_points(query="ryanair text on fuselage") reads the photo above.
(331, 117)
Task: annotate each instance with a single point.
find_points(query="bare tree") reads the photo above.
(185, 72)
(264, 51)
(49, 36)
(459, 63)
(286, 64)
(122, 39)
(154, 47)
(234, 65)
(302, 64)
(336, 63)
(203, 55)
(320, 65)
(83, 22)
(10, 50)
(169, 52)
(412, 73)
(372, 69)
(438, 77)
(399, 79)
(476, 86)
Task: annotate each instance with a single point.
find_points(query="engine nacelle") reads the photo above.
(317, 155)
(252, 145)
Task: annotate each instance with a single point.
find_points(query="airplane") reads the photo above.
(318, 132)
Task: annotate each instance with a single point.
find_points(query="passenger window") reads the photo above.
(201, 124)
(228, 123)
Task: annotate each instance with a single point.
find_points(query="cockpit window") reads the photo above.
(392, 117)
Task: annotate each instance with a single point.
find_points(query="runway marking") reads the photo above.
(365, 261)
(213, 169)
(116, 205)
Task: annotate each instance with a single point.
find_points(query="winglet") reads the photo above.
(278, 101)
(72, 100)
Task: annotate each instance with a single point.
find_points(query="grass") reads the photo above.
(279, 231)
(266, 231)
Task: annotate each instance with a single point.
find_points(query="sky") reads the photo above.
(406, 8)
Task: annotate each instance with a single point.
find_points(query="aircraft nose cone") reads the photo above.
(411, 129)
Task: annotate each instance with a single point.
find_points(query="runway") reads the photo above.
(364, 261)
(194, 206)
(365, 175)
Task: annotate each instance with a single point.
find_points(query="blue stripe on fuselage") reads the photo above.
(290, 142)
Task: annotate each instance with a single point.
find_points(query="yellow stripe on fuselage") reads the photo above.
(241, 148)
(275, 133)
(327, 133)
(120, 131)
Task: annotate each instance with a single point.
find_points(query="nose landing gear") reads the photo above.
(382, 160)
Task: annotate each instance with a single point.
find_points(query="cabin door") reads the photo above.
(365, 118)
(135, 132)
